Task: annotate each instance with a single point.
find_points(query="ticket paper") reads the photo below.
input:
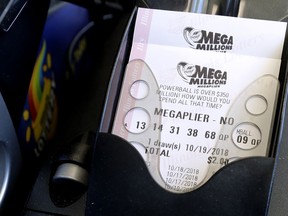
(199, 92)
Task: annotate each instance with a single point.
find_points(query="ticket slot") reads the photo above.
(121, 182)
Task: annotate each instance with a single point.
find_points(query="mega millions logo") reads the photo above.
(205, 40)
(40, 111)
(201, 76)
